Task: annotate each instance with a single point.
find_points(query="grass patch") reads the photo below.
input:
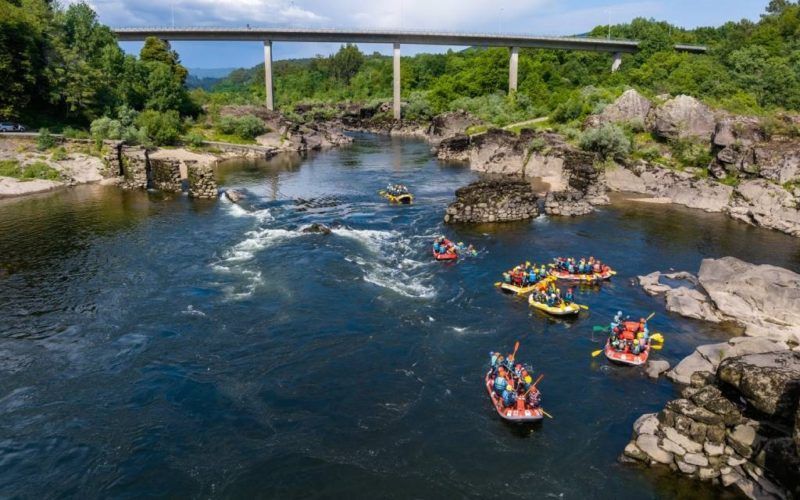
(37, 170)
(198, 132)
(476, 129)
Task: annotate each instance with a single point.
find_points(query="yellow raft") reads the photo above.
(402, 199)
(560, 310)
(523, 290)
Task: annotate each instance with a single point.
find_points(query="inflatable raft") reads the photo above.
(402, 199)
(563, 309)
(626, 358)
(444, 256)
(584, 278)
(524, 289)
(512, 414)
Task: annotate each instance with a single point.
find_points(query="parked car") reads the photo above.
(11, 127)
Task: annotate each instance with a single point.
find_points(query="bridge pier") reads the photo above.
(617, 62)
(396, 82)
(513, 67)
(270, 103)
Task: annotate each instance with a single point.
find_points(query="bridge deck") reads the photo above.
(388, 36)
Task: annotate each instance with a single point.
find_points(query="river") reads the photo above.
(156, 346)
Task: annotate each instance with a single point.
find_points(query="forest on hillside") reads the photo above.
(751, 67)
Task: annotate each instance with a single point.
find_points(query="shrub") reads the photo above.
(609, 141)
(226, 125)
(690, 153)
(105, 128)
(74, 133)
(59, 154)
(40, 170)
(418, 107)
(9, 168)
(249, 127)
(45, 140)
(195, 140)
(162, 128)
(537, 144)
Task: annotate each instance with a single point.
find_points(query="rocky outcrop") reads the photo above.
(763, 299)
(316, 228)
(449, 125)
(493, 201)
(762, 203)
(684, 117)
(707, 358)
(499, 152)
(454, 148)
(630, 107)
(732, 426)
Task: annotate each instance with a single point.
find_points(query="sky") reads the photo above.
(536, 17)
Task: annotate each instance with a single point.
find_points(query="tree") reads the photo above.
(346, 62)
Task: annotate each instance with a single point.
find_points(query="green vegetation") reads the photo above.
(750, 68)
(37, 170)
(60, 68)
(609, 141)
(45, 140)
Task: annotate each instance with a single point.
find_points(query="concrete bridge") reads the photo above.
(396, 38)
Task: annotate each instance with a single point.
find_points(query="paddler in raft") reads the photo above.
(512, 385)
(629, 336)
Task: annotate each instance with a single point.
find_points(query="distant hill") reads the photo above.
(210, 72)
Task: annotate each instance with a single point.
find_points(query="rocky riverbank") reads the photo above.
(753, 174)
(737, 422)
(68, 167)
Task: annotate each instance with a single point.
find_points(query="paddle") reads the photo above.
(545, 413)
(600, 329)
(514, 354)
(586, 308)
(533, 385)
(656, 347)
(597, 353)
(657, 337)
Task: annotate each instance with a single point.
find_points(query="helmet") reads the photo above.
(642, 320)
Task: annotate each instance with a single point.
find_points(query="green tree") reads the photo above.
(346, 62)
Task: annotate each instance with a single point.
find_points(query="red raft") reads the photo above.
(527, 414)
(627, 358)
(446, 255)
(584, 278)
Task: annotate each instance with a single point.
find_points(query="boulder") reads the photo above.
(683, 441)
(646, 424)
(742, 130)
(316, 228)
(651, 283)
(684, 117)
(648, 444)
(762, 296)
(778, 160)
(769, 381)
(656, 368)
(691, 364)
(234, 196)
(742, 439)
(691, 303)
(697, 459)
(631, 106)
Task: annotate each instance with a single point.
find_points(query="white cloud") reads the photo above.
(204, 12)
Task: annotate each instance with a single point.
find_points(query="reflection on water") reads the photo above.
(157, 346)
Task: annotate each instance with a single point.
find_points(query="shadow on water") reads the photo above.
(158, 346)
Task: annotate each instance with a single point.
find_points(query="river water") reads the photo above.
(155, 346)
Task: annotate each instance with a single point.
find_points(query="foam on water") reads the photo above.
(256, 241)
(261, 215)
(390, 265)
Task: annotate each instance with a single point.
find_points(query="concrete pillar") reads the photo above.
(396, 81)
(268, 74)
(617, 62)
(513, 68)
